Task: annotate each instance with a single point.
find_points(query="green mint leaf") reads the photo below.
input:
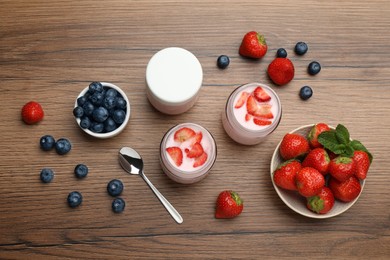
(358, 146)
(342, 134)
(348, 152)
(339, 148)
(329, 140)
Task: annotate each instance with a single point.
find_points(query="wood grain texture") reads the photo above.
(51, 50)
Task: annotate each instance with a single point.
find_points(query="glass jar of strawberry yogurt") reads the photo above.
(187, 153)
(253, 111)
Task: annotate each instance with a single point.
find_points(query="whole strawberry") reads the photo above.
(253, 45)
(32, 113)
(345, 191)
(284, 175)
(362, 164)
(322, 202)
(314, 133)
(309, 181)
(341, 168)
(318, 159)
(281, 71)
(229, 205)
(293, 146)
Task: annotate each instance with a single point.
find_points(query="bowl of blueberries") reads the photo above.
(102, 110)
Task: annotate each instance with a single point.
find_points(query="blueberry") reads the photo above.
(63, 146)
(96, 127)
(119, 116)
(111, 93)
(78, 112)
(109, 125)
(81, 100)
(109, 102)
(118, 205)
(85, 122)
(46, 175)
(121, 103)
(223, 61)
(97, 98)
(74, 199)
(281, 53)
(100, 114)
(305, 93)
(115, 187)
(81, 171)
(88, 108)
(47, 142)
(95, 87)
(300, 48)
(314, 68)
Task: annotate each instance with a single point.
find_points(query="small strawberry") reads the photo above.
(284, 176)
(242, 99)
(293, 146)
(318, 159)
(314, 132)
(341, 168)
(261, 95)
(32, 113)
(228, 205)
(176, 154)
(196, 151)
(248, 117)
(254, 109)
(261, 122)
(362, 164)
(281, 71)
(322, 202)
(309, 181)
(200, 160)
(347, 190)
(253, 45)
(183, 134)
(197, 138)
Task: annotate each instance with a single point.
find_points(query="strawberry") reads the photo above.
(261, 95)
(198, 137)
(318, 159)
(261, 122)
(347, 190)
(228, 205)
(362, 163)
(281, 71)
(284, 176)
(32, 113)
(253, 45)
(293, 146)
(176, 154)
(196, 151)
(322, 202)
(241, 100)
(254, 109)
(341, 168)
(314, 132)
(200, 160)
(248, 117)
(309, 181)
(183, 134)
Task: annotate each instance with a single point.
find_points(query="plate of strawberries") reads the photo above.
(319, 171)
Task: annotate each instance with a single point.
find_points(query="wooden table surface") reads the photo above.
(51, 50)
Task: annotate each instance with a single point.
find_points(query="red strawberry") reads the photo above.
(32, 113)
(183, 134)
(198, 138)
(281, 71)
(196, 151)
(285, 175)
(293, 146)
(347, 190)
(200, 160)
(176, 154)
(322, 202)
(261, 122)
(254, 109)
(341, 168)
(253, 45)
(241, 100)
(309, 181)
(314, 133)
(362, 163)
(248, 117)
(318, 159)
(261, 95)
(229, 205)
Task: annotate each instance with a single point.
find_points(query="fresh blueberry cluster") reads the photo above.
(62, 145)
(114, 189)
(101, 109)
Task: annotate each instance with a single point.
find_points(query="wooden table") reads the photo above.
(51, 50)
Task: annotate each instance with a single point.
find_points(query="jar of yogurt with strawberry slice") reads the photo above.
(252, 112)
(187, 153)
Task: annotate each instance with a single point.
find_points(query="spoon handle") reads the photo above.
(176, 216)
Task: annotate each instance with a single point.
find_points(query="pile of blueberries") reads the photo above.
(101, 109)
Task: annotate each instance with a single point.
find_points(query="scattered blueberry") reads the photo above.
(119, 116)
(115, 187)
(100, 114)
(81, 171)
(46, 175)
(118, 205)
(95, 87)
(78, 112)
(85, 122)
(305, 93)
(47, 142)
(314, 68)
(63, 146)
(74, 199)
(281, 53)
(301, 48)
(223, 61)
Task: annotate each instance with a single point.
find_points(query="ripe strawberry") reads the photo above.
(318, 159)
(322, 202)
(229, 205)
(341, 168)
(176, 154)
(260, 95)
(254, 109)
(196, 151)
(309, 181)
(285, 175)
(261, 122)
(293, 146)
(362, 163)
(32, 113)
(281, 71)
(200, 160)
(197, 138)
(241, 100)
(183, 134)
(347, 190)
(248, 117)
(314, 133)
(253, 45)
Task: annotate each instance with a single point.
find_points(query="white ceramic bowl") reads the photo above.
(117, 130)
(297, 202)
